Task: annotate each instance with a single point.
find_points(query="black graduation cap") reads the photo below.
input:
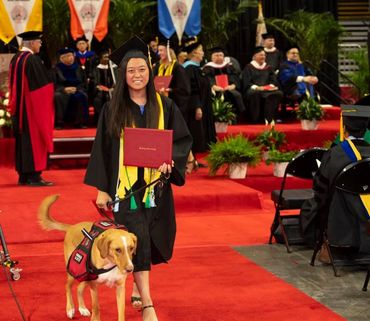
(191, 44)
(65, 50)
(81, 38)
(355, 117)
(132, 48)
(257, 50)
(30, 35)
(217, 49)
(267, 35)
(292, 46)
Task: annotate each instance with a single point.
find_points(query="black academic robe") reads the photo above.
(32, 107)
(102, 172)
(179, 87)
(203, 131)
(274, 59)
(260, 104)
(233, 96)
(343, 213)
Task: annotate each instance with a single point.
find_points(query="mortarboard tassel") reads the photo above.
(168, 51)
(341, 129)
(147, 200)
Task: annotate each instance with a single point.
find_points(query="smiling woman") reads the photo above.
(146, 211)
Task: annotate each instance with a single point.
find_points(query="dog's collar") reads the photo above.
(95, 271)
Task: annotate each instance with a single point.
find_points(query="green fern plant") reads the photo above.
(233, 149)
(361, 77)
(316, 34)
(277, 156)
(222, 110)
(310, 109)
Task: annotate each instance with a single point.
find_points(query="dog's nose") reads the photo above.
(129, 269)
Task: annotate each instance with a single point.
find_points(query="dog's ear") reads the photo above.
(134, 238)
(103, 246)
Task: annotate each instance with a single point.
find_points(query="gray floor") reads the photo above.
(341, 294)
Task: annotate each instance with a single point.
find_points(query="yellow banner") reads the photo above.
(19, 16)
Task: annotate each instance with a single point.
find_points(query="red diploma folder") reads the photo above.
(268, 87)
(161, 82)
(146, 147)
(222, 81)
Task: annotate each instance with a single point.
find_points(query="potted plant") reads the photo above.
(270, 139)
(309, 112)
(280, 160)
(235, 152)
(5, 117)
(223, 113)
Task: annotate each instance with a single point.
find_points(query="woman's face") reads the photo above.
(137, 73)
(198, 53)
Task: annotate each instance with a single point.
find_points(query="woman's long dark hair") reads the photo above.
(119, 114)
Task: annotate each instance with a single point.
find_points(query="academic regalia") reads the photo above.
(234, 96)
(288, 73)
(32, 107)
(179, 87)
(260, 104)
(102, 172)
(203, 131)
(347, 216)
(70, 107)
(274, 58)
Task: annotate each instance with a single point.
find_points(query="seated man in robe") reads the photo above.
(219, 66)
(343, 214)
(70, 96)
(273, 55)
(296, 80)
(105, 76)
(260, 89)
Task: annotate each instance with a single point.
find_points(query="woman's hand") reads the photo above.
(166, 168)
(102, 200)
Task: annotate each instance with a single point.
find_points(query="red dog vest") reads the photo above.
(79, 264)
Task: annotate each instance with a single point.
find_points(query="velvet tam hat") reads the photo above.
(65, 50)
(268, 35)
(81, 38)
(257, 50)
(191, 44)
(132, 48)
(30, 35)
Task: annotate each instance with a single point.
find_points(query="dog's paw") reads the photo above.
(84, 311)
(70, 313)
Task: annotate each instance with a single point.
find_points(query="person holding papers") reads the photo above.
(148, 213)
(224, 78)
(260, 89)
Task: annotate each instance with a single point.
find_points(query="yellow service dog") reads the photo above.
(111, 250)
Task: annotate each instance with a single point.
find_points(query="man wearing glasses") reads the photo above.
(295, 78)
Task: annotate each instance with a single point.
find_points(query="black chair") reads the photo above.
(285, 227)
(353, 179)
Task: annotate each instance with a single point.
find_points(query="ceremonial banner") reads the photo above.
(89, 18)
(179, 16)
(261, 26)
(19, 16)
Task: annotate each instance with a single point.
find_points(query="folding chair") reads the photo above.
(304, 165)
(353, 179)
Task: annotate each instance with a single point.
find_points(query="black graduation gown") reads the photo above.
(343, 213)
(203, 131)
(102, 172)
(34, 132)
(260, 104)
(180, 87)
(233, 96)
(274, 59)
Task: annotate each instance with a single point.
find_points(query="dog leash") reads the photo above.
(161, 180)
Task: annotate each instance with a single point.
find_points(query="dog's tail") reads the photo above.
(45, 220)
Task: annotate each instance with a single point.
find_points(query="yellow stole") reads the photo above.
(128, 174)
(164, 70)
(364, 198)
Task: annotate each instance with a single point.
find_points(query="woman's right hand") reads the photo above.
(102, 200)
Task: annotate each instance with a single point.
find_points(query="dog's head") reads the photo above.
(118, 246)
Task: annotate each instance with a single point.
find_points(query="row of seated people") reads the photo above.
(81, 80)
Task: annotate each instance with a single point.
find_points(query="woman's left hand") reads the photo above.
(166, 168)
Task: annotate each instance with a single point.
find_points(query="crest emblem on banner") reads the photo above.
(179, 9)
(19, 14)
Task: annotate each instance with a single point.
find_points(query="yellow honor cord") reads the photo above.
(128, 174)
(163, 71)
